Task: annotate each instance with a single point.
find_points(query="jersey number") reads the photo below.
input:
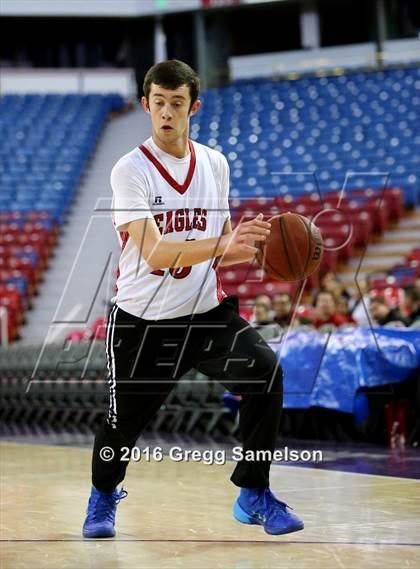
(175, 272)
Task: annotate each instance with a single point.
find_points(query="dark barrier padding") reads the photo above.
(330, 371)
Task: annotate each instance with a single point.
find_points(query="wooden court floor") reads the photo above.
(178, 514)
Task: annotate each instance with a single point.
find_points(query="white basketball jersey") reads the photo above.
(188, 199)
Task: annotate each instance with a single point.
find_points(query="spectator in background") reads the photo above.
(262, 322)
(412, 305)
(304, 317)
(344, 309)
(262, 299)
(360, 308)
(383, 314)
(265, 299)
(326, 310)
(282, 309)
(331, 283)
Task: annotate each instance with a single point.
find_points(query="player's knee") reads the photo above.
(271, 374)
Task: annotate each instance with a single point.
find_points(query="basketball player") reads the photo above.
(170, 208)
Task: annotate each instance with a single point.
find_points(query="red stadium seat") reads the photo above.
(232, 276)
(23, 264)
(344, 247)
(311, 199)
(376, 210)
(395, 202)
(10, 229)
(329, 261)
(251, 290)
(24, 272)
(39, 229)
(380, 283)
(241, 274)
(335, 224)
(257, 204)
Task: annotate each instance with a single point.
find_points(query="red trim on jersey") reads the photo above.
(164, 172)
(124, 235)
(219, 290)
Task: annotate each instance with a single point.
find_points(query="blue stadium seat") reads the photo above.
(360, 122)
(45, 141)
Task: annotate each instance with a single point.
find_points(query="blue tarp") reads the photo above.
(327, 370)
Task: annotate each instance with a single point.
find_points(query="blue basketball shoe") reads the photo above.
(101, 510)
(260, 506)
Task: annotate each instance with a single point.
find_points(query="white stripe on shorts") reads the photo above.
(112, 413)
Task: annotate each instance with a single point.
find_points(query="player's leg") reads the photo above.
(247, 366)
(137, 390)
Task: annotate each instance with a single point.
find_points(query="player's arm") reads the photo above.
(232, 257)
(160, 253)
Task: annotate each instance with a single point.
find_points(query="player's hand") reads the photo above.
(240, 243)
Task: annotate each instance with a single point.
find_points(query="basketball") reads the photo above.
(293, 250)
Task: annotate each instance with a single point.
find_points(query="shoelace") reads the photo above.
(104, 506)
(271, 504)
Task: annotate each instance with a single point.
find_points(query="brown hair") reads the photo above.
(171, 74)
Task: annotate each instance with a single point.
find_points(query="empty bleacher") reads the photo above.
(316, 134)
(339, 150)
(45, 144)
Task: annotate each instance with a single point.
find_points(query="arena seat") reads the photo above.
(316, 133)
(400, 275)
(45, 144)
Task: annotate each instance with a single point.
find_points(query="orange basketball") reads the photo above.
(294, 248)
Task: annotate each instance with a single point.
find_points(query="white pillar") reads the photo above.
(4, 326)
(161, 53)
(309, 26)
(200, 47)
(381, 24)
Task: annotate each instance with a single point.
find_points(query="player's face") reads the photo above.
(170, 112)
